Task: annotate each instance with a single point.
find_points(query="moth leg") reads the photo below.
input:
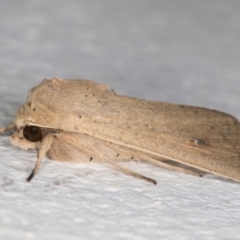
(128, 171)
(132, 173)
(169, 166)
(99, 150)
(44, 147)
(10, 127)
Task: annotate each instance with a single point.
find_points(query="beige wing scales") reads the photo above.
(205, 139)
(201, 138)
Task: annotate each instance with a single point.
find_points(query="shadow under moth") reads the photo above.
(81, 121)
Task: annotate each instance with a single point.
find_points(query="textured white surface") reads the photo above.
(176, 51)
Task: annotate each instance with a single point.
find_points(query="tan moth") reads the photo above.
(81, 121)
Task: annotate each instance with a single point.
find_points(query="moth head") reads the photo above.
(35, 112)
(27, 137)
(25, 113)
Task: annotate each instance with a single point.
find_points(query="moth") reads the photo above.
(82, 121)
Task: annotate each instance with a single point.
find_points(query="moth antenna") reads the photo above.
(28, 123)
(44, 147)
(9, 127)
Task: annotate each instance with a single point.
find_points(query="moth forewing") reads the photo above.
(139, 129)
(198, 137)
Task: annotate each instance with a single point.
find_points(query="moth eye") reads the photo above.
(32, 133)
